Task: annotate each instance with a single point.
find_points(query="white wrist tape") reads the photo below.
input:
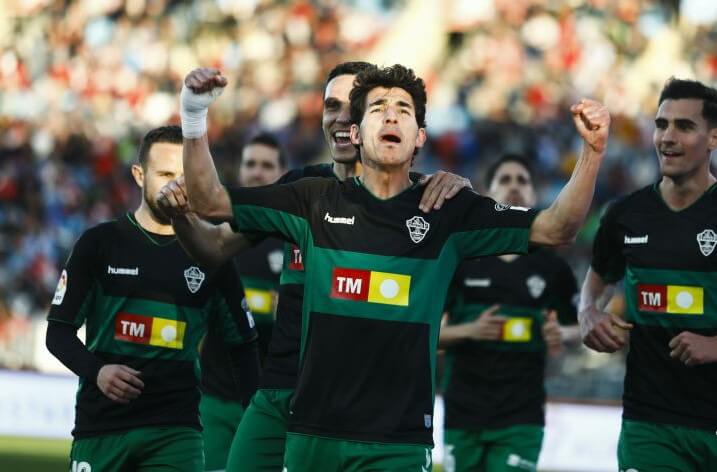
(193, 110)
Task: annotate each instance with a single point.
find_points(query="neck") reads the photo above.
(344, 170)
(386, 182)
(679, 193)
(146, 219)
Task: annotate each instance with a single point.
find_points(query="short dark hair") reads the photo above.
(349, 68)
(267, 139)
(504, 159)
(395, 76)
(163, 134)
(677, 89)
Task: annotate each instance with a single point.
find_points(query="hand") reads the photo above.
(552, 333)
(603, 332)
(172, 198)
(119, 383)
(203, 80)
(440, 187)
(592, 120)
(693, 349)
(487, 327)
(201, 87)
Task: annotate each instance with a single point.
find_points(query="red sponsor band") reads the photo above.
(652, 297)
(133, 328)
(350, 284)
(296, 261)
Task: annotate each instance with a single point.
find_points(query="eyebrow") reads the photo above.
(682, 122)
(331, 101)
(382, 101)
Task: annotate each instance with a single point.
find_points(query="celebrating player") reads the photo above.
(146, 305)
(661, 240)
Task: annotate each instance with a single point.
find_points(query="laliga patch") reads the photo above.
(417, 228)
(194, 278)
(707, 240)
(61, 289)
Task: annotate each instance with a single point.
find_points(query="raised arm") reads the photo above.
(208, 198)
(601, 331)
(559, 224)
(209, 244)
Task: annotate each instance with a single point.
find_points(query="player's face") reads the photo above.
(388, 133)
(164, 164)
(512, 184)
(259, 166)
(683, 139)
(336, 119)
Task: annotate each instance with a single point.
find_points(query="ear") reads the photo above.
(421, 138)
(355, 135)
(712, 139)
(138, 174)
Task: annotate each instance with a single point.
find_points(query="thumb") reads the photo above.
(130, 370)
(551, 316)
(424, 179)
(619, 322)
(490, 311)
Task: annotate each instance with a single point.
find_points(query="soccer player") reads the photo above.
(503, 317)
(259, 442)
(376, 268)
(146, 305)
(661, 241)
(261, 162)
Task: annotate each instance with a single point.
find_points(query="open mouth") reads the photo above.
(390, 138)
(342, 138)
(669, 153)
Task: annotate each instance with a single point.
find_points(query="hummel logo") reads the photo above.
(339, 219)
(122, 270)
(470, 282)
(636, 239)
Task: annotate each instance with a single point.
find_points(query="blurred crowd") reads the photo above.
(81, 81)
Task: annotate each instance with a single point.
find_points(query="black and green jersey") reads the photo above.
(259, 269)
(376, 276)
(669, 266)
(496, 384)
(146, 305)
(281, 365)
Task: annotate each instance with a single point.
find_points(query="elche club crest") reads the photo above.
(707, 240)
(276, 260)
(536, 285)
(417, 228)
(194, 278)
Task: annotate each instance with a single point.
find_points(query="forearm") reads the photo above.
(560, 223)
(595, 293)
(451, 335)
(207, 197)
(246, 370)
(62, 341)
(208, 244)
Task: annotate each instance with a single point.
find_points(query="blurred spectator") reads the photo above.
(81, 81)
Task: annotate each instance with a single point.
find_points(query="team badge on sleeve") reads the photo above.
(194, 278)
(417, 228)
(707, 240)
(61, 289)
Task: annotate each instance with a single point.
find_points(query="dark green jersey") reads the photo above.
(146, 305)
(259, 269)
(496, 384)
(377, 272)
(669, 266)
(282, 362)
